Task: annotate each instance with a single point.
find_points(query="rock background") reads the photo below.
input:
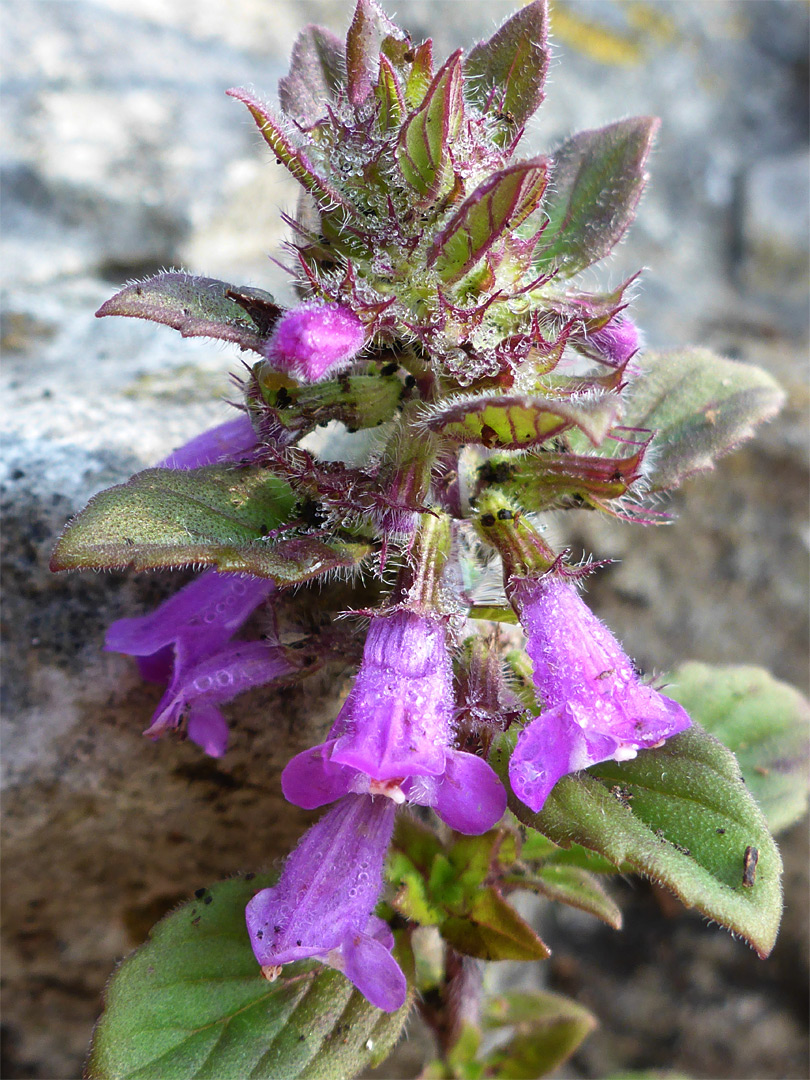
(121, 155)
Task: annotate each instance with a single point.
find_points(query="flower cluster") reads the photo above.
(435, 314)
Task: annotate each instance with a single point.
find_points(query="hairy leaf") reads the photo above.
(682, 816)
(293, 158)
(199, 307)
(506, 74)
(191, 1003)
(502, 202)
(515, 421)
(765, 722)
(548, 1028)
(573, 886)
(700, 406)
(491, 929)
(369, 27)
(217, 516)
(423, 150)
(315, 76)
(596, 182)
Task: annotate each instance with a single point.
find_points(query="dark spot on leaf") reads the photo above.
(199, 893)
(505, 515)
(208, 900)
(720, 832)
(249, 877)
(487, 520)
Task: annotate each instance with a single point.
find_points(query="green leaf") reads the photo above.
(682, 816)
(315, 76)
(506, 74)
(548, 1028)
(492, 930)
(596, 182)
(573, 886)
(199, 307)
(763, 721)
(191, 1003)
(423, 150)
(502, 202)
(516, 422)
(212, 516)
(700, 406)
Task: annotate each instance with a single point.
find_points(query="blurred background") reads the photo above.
(121, 156)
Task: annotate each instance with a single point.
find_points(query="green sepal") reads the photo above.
(547, 1029)
(217, 515)
(700, 406)
(423, 150)
(505, 75)
(680, 815)
(764, 721)
(358, 401)
(596, 182)
(516, 422)
(191, 1004)
(199, 307)
(500, 203)
(547, 481)
(420, 75)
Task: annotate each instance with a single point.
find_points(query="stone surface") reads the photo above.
(121, 155)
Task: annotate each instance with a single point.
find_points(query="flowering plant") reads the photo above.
(443, 329)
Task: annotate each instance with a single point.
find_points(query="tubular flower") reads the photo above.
(226, 442)
(595, 708)
(313, 340)
(323, 904)
(184, 642)
(394, 734)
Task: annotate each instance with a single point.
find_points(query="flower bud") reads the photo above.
(311, 341)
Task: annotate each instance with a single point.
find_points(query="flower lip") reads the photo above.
(394, 733)
(323, 904)
(595, 706)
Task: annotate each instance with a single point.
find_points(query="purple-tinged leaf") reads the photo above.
(423, 151)
(213, 516)
(547, 480)
(597, 178)
(369, 27)
(700, 406)
(546, 1030)
(315, 76)
(199, 307)
(679, 814)
(420, 75)
(506, 74)
(501, 202)
(516, 421)
(295, 160)
(389, 95)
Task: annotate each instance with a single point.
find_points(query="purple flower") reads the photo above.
(616, 341)
(595, 708)
(312, 340)
(323, 904)
(227, 442)
(185, 642)
(394, 734)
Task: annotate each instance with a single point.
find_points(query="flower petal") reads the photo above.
(373, 970)
(226, 442)
(469, 798)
